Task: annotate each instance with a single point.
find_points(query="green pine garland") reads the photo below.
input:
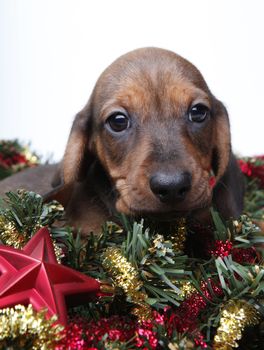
(211, 284)
(162, 271)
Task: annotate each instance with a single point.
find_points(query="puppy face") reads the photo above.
(157, 131)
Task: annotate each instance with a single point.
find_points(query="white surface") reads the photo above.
(52, 52)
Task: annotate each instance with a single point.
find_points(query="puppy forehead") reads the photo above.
(173, 97)
(150, 78)
(154, 97)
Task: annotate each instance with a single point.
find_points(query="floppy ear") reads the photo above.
(222, 140)
(76, 156)
(229, 191)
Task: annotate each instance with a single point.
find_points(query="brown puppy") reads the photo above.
(147, 143)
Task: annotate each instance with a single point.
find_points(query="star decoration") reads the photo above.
(33, 276)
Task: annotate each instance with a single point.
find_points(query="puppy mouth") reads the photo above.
(164, 217)
(166, 213)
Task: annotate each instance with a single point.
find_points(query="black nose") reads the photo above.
(170, 187)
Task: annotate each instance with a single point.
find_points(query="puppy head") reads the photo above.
(158, 132)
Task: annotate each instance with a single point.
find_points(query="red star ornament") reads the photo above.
(33, 276)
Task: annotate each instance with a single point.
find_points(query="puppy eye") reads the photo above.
(198, 113)
(118, 122)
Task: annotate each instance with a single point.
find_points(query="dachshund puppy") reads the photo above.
(151, 142)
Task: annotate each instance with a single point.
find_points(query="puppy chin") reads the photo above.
(122, 207)
(155, 214)
(157, 211)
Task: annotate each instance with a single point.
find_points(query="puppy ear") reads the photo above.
(76, 156)
(228, 193)
(222, 140)
(73, 159)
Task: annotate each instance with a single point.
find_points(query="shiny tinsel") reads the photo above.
(9, 235)
(179, 237)
(235, 316)
(18, 222)
(187, 289)
(125, 276)
(221, 248)
(23, 328)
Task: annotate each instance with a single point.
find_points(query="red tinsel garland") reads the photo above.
(253, 167)
(85, 335)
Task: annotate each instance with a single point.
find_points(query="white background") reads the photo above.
(52, 52)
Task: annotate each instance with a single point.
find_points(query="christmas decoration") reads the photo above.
(152, 271)
(24, 215)
(15, 157)
(22, 327)
(235, 316)
(82, 334)
(168, 293)
(186, 288)
(125, 276)
(244, 256)
(180, 236)
(212, 179)
(16, 227)
(33, 276)
(253, 167)
(221, 248)
(123, 332)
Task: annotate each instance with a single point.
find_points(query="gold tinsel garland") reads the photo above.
(178, 239)
(235, 316)
(22, 325)
(10, 236)
(187, 288)
(125, 276)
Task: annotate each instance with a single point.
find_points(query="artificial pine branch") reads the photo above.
(23, 213)
(162, 269)
(253, 169)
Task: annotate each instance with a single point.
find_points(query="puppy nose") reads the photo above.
(170, 187)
